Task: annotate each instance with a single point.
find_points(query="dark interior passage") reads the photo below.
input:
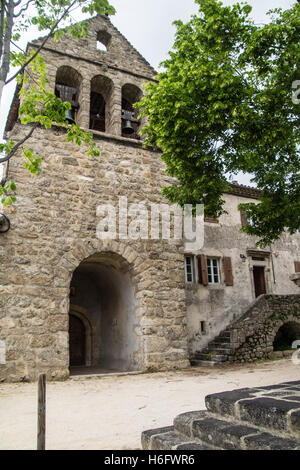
(285, 336)
(77, 336)
(106, 333)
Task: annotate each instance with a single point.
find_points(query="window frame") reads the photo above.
(210, 271)
(192, 272)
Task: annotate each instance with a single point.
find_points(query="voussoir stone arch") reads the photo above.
(123, 259)
(291, 319)
(82, 249)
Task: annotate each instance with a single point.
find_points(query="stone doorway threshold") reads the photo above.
(80, 372)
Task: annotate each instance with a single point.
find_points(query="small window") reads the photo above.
(189, 269)
(203, 327)
(101, 46)
(213, 270)
(103, 41)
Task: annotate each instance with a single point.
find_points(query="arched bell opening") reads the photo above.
(103, 293)
(286, 335)
(131, 94)
(100, 104)
(67, 88)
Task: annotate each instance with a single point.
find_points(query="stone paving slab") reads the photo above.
(262, 418)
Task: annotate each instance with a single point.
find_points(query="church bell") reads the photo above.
(128, 129)
(128, 117)
(69, 117)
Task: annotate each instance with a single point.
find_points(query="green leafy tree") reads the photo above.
(227, 101)
(39, 107)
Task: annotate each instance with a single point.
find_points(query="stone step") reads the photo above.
(203, 427)
(223, 337)
(211, 357)
(169, 439)
(218, 345)
(219, 351)
(196, 362)
(274, 409)
(261, 418)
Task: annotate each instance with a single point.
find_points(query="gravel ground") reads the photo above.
(111, 412)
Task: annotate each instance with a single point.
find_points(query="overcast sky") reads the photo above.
(147, 24)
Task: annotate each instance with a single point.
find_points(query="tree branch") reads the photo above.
(20, 49)
(23, 9)
(6, 43)
(21, 142)
(43, 43)
(1, 26)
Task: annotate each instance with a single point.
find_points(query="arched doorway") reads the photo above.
(104, 336)
(286, 334)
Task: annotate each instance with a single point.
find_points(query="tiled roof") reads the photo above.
(243, 190)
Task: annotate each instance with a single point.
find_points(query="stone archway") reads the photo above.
(160, 314)
(286, 335)
(102, 288)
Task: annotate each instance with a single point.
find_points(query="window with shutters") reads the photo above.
(213, 270)
(189, 269)
(209, 270)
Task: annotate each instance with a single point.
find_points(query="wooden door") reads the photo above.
(259, 280)
(76, 341)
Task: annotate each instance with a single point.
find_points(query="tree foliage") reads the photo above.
(39, 106)
(227, 101)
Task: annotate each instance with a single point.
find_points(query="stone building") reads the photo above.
(230, 272)
(71, 301)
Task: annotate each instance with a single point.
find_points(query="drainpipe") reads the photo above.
(272, 262)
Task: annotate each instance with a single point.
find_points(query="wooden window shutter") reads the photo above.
(227, 265)
(202, 270)
(244, 220)
(297, 266)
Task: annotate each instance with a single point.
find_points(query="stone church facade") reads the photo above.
(71, 301)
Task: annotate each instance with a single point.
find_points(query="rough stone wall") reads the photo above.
(120, 53)
(53, 229)
(53, 226)
(253, 334)
(218, 305)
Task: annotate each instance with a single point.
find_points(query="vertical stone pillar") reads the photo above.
(83, 114)
(114, 111)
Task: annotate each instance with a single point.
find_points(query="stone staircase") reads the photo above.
(216, 352)
(250, 336)
(262, 418)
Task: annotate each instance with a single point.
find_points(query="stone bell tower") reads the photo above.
(72, 303)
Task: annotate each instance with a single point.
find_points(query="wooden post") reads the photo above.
(41, 425)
